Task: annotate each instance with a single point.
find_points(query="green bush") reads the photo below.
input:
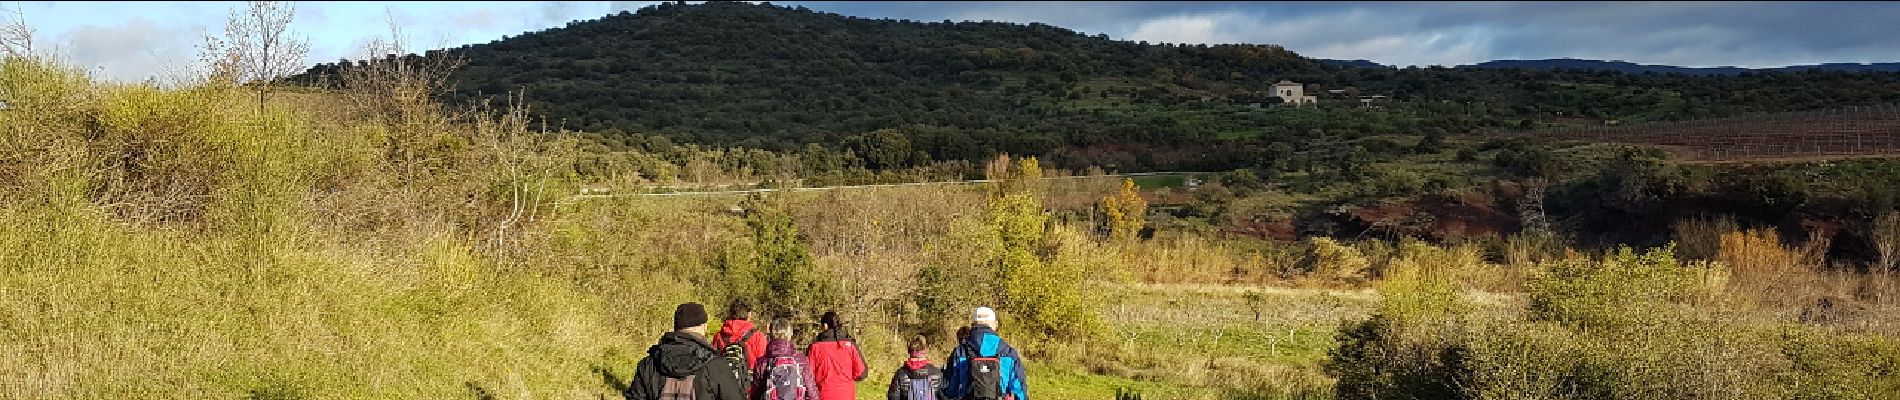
(1632, 325)
(1625, 289)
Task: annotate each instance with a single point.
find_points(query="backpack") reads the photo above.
(986, 375)
(738, 355)
(917, 385)
(785, 381)
(677, 388)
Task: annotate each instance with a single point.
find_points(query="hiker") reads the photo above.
(683, 366)
(836, 360)
(782, 373)
(917, 379)
(738, 335)
(983, 366)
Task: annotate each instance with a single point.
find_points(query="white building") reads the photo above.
(1292, 93)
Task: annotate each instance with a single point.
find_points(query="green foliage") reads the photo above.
(781, 278)
(1041, 295)
(1374, 360)
(969, 90)
(1626, 289)
(1432, 143)
(1527, 161)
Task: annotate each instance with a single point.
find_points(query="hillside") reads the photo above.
(779, 78)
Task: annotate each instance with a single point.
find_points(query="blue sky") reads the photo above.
(134, 40)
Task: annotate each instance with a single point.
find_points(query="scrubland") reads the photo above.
(370, 243)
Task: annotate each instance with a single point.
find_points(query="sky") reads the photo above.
(131, 41)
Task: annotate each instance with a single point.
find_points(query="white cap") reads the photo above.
(985, 316)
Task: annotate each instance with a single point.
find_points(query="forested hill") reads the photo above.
(774, 77)
(735, 73)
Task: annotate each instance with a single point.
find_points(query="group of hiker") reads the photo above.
(741, 363)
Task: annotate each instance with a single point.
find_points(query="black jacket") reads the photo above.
(900, 381)
(680, 354)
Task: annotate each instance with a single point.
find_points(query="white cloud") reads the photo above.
(136, 50)
(1184, 29)
(1354, 34)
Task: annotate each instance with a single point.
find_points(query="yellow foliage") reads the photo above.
(1759, 266)
(1126, 211)
(1335, 262)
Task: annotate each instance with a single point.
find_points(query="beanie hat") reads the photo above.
(984, 316)
(689, 315)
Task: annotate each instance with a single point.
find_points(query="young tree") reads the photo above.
(785, 280)
(1126, 211)
(1887, 241)
(258, 46)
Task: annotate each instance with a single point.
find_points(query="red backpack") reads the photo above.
(785, 381)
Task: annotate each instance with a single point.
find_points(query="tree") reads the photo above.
(16, 37)
(1887, 241)
(258, 46)
(1126, 212)
(883, 149)
(784, 276)
(1045, 295)
(1432, 143)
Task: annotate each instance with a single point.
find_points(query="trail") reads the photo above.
(887, 185)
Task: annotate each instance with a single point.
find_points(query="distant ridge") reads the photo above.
(1352, 63)
(1634, 68)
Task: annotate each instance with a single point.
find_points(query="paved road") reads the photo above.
(807, 189)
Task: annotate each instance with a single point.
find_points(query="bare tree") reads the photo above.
(1887, 241)
(16, 38)
(397, 84)
(258, 46)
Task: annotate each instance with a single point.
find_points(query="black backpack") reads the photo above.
(737, 355)
(986, 375)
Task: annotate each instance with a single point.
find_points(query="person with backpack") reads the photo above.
(916, 379)
(984, 367)
(739, 341)
(836, 360)
(783, 374)
(684, 366)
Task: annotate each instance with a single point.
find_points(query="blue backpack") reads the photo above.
(917, 385)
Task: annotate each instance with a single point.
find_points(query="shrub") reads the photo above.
(1886, 235)
(1330, 261)
(1701, 238)
(1625, 289)
(1761, 268)
(780, 276)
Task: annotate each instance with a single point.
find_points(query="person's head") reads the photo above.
(984, 316)
(738, 310)
(830, 321)
(963, 333)
(918, 347)
(690, 317)
(782, 328)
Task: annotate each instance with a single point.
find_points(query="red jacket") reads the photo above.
(839, 366)
(731, 330)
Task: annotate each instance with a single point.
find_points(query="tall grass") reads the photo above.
(168, 243)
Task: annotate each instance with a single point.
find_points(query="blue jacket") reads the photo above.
(984, 340)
